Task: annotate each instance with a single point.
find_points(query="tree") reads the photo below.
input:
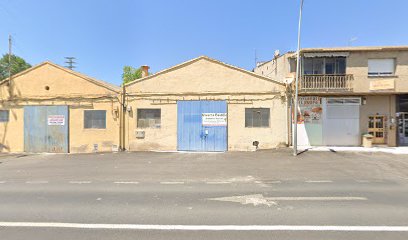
(130, 73)
(18, 64)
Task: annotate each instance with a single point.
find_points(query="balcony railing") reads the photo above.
(326, 83)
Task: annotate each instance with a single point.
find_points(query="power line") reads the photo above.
(70, 61)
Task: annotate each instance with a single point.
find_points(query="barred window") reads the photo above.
(257, 117)
(148, 118)
(95, 119)
(4, 115)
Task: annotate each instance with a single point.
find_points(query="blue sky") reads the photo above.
(105, 35)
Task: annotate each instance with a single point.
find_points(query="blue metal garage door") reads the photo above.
(202, 126)
(46, 129)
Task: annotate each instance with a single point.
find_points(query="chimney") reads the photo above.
(145, 70)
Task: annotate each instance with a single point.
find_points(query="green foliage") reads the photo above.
(130, 74)
(17, 65)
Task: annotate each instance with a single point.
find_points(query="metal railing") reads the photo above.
(326, 83)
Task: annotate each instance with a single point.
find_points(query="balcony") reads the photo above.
(326, 83)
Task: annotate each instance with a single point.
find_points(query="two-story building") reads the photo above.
(347, 92)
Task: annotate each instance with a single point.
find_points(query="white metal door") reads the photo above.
(341, 124)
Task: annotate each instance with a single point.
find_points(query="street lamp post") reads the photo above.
(295, 115)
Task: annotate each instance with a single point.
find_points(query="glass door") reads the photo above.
(376, 127)
(403, 128)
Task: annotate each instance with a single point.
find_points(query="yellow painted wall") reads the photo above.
(11, 133)
(65, 88)
(205, 79)
(357, 64)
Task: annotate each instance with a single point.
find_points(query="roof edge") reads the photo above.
(197, 59)
(81, 75)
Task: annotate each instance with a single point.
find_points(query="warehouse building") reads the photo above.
(205, 105)
(49, 108)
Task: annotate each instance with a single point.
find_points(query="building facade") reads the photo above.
(49, 108)
(205, 105)
(347, 92)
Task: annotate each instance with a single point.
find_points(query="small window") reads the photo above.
(381, 67)
(148, 118)
(257, 117)
(4, 115)
(95, 119)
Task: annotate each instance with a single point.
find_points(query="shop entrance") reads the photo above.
(376, 127)
(402, 128)
(402, 119)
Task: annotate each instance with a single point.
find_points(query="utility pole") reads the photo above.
(295, 113)
(124, 110)
(70, 61)
(9, 58)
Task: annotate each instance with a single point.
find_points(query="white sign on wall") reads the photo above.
(56, 120)
(214, 119)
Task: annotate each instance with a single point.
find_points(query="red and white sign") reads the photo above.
(56, 120)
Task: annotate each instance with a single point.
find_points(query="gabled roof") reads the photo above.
(83, 76)
(208, 59)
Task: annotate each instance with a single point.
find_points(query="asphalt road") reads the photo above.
(262, 195)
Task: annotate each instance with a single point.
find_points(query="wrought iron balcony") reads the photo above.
(326, 83)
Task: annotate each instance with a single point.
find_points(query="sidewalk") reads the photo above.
(374, 149)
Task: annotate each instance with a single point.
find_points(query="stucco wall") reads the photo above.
(239, 137)
(278, 68)
(204, 76)
(60, 83)
(65, 88)
(204, 79)
(357, 64)
(80, 139)
(83, 140)
(11, 132)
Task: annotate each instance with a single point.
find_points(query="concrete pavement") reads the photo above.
(268, 188)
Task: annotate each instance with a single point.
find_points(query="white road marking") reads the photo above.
(363, 181)
(220, 182)
(319, 181)
(126, 182)
(171, 183)
(2, 182)
(36, 182)
(316, 198)
(79, 182)
(259, 199)
(255, 199)
(318, 228)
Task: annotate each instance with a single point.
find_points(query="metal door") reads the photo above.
(202, 126)
(341, 122)
(46, 129)
(403, 128)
